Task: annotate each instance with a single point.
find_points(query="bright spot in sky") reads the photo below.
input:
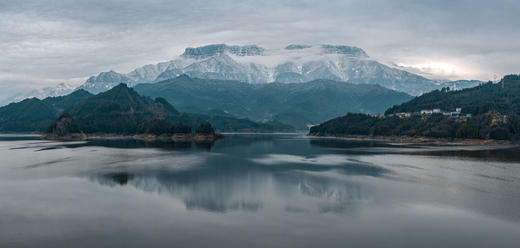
(438, 69)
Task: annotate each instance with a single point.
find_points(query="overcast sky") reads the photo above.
(44, 42)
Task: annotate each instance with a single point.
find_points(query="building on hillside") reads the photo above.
(403, 115)
(457, 113)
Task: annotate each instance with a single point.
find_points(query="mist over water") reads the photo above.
(257, 191)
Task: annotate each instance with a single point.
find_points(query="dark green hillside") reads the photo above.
(495, 110)
(123, 111)
(63, 103)
(486, 126)
(34, 115)
(296, 104)
(119, 111)
(503, 97)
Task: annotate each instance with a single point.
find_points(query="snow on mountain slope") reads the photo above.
(105, 81)
(294, 63)
(58, 90)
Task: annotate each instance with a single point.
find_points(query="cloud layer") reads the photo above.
(44, 42)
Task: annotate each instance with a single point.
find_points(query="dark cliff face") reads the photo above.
(217, 49)
(297, 47)
(347, 50)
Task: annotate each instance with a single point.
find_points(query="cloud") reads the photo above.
(44, 42)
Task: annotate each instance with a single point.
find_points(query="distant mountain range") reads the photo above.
(252, 88)
(119, 110)
(59, 90)
(297, 104)
(293, 64)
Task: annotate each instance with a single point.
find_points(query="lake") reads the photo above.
(280, 190)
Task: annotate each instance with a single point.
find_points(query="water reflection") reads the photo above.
(226, 185)
(132, 144)
(504, 153)
(296, 191)
(120, 178)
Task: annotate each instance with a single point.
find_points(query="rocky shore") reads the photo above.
(421, 140)
(144, 137)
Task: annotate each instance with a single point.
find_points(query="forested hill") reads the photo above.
(494, 109)
(297, 104)
(119, 111)
(34, 115)
(503, 97)
(122, 111)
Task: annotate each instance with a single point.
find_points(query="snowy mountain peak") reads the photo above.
(105, 81)
(110, 76)
(294, 63)
(58, 90)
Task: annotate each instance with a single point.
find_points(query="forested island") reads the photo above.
(489, 111)
(122, 112)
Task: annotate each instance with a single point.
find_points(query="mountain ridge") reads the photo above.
(109, 111)
(295, 104)
(296, 63)
(292, 64)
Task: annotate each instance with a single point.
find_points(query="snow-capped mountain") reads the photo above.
(105, 81)
(148, 73)
(293, 64)
(58, 90)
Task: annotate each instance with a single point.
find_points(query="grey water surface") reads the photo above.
(257, 191)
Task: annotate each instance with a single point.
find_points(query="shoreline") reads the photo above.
(198, 138)
(418, 140)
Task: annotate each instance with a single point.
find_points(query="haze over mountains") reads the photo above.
(298, 85)
(295, 63)
(292, 64)
(297, 104)
(59, 90)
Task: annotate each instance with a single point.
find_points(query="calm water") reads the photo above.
(257, 191)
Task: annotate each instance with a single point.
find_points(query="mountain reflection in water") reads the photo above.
(257, 191)
(227, 184)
